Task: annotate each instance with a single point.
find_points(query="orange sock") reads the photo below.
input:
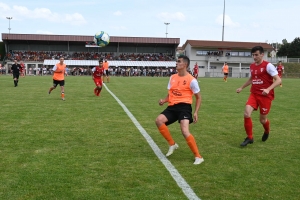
(163, 129)
(62, 95)
(267, 126)
(193, 146)
(248, 127)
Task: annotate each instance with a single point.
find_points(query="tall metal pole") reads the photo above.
(9, 18)
(223, 22)
(166, 23)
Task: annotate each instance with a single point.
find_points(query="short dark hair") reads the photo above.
(101, 60)
(185, 59)
(257, 48)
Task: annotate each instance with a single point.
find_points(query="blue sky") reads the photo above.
(249, 21)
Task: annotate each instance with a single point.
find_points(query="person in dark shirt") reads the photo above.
(15, 69)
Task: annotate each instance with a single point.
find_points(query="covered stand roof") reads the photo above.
(117, 63)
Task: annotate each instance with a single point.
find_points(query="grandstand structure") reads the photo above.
(39, 50)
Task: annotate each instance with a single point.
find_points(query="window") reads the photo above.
(241, 53)
(234, 53)
(247, 53)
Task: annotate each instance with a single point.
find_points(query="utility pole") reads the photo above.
(9, 18)
(166, 23)
(223, 22)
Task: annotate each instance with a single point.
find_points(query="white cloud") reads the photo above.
(44, 32)
(118, 13)
(21, 13)
(118, 27)
(165, 16)
(227, 22)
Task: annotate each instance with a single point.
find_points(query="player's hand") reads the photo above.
(161, 102)
(265, 92)
(195, 117)
(239, 90)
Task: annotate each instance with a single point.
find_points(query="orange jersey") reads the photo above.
(225, 68)
(182, 88)
(105, 65)
(59, 72)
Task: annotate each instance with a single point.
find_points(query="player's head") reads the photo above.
(61, 60)
(100, 62)
(257, 54)
(279, 63)
(15, 61)
(105, 60)
(183, 60)
(225, 63)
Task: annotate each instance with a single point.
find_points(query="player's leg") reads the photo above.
(62, 89)
(15, 80)
(248, 125)
(53, 86)
(265, 106)
(161, 122)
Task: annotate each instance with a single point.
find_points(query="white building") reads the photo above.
(211, 56)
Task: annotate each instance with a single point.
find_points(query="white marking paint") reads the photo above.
(187, 190)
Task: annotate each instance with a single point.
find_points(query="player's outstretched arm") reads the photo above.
(248, 82)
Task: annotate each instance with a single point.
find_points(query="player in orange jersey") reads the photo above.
(59, 77)
(182, 86)
(106, 71)
(225, 71)
(97, 73)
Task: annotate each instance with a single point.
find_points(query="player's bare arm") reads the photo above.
(245, 85)
(277, 81)
(197, 106)
(162, 101)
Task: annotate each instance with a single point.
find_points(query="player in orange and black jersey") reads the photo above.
(182, 87)
(97, 73)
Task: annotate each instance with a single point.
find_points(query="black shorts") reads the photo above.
(178, 112)
(106, 72)
(56, 82)
(225, 74)
(15, 75)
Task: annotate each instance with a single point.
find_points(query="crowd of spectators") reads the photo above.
(40, 56)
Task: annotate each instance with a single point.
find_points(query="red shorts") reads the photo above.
(263, 102)
(98, 82)
(280, 75)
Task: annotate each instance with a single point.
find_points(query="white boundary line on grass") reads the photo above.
(187, 190)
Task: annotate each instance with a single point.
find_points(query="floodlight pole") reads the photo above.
(166, 23)
(223, 22)
(9, 18)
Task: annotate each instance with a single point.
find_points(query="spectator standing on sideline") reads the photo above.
(182, 86)
(59, 77)
(15, 70)
(262, 93)
(225, 71)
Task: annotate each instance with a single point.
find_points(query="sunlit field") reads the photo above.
(88, 148)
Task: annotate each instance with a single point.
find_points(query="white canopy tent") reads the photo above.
(116, 63)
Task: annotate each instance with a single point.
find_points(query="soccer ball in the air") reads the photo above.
(101, 39)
